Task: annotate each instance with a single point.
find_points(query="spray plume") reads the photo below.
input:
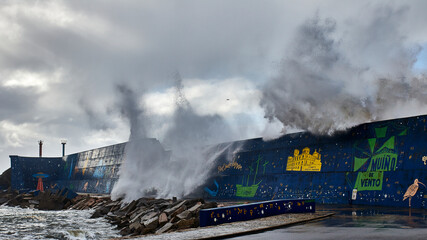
(149, 170)
(325, 85)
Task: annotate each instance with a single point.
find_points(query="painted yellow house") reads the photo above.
(304, 161)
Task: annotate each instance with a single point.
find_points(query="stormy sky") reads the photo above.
(263, 67)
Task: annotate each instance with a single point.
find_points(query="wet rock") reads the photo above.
(142, 216)
(135, 226)
(148, 216)
(174, 219)
(178, 211)
(208, 205)
(125, 231)
(102, 211)
(184, 215)
(195, 207)
(185, 223)
(165, 228)
(174, 208)
(163, 218)
(152, 223)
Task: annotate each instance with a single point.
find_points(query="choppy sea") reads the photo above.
(19, 223)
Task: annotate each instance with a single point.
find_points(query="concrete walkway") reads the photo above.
(240, 228)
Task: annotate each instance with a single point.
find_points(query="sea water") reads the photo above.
(26, 223)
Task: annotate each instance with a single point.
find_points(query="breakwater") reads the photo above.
(371, 164)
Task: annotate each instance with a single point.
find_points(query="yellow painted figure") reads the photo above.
(304, 161)
(412, 190)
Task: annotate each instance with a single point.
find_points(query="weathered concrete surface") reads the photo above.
(356, 222)
(238, 228)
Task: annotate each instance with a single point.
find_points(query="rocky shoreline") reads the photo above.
(139, 217)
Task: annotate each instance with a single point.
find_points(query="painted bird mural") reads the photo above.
(412, 190)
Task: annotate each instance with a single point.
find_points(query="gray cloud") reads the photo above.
(16, 102)
(79, 50)
(325, 85)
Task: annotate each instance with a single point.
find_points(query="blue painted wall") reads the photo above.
(245, 212)
(381, 160)
(23, 169)
(92, 171)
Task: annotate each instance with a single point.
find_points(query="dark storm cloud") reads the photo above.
(324, 85)
(92, 44)
(15, 103)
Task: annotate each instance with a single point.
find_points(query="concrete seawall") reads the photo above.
(371, 164)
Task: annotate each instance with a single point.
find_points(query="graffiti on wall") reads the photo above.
(374, 157)
(304, 161)
(249, 190)
(215, 216)
(233, 165)
(369, 181)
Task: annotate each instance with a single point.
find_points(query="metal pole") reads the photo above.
(40, 148)
(63, 142)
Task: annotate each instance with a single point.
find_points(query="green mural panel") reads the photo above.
(389, 144)
(381, 132)
(369, 181)
(372, 142)
(383, 162)
(358, 162)
(404, 132)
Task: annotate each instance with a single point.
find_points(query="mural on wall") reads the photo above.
(373, 157)
(412, 190)
(378, 159)
(246, 190)
(233, 165)
(40, 176)
(93, 170)
(99, 170)
(305, 161)
(215, 216)
(213, 193)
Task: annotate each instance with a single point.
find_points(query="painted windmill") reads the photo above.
(412, 190)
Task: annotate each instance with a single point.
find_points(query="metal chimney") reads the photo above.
(63, 142)
(40, 148)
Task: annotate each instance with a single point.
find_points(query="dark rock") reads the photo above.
(144, 230)
(125, 231)
(131, 206)
(100, 212)
(163, 218)
(195, 207)
(184, 215)
(185, 223)
(208, 205)
(148, 216)
(165, 228)
(5, 179)
(123, 223)
(174, 208)
(135, 226)
(3, 200)
(152, 223)
(50, 204)
(141, 212)
(178, 211)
